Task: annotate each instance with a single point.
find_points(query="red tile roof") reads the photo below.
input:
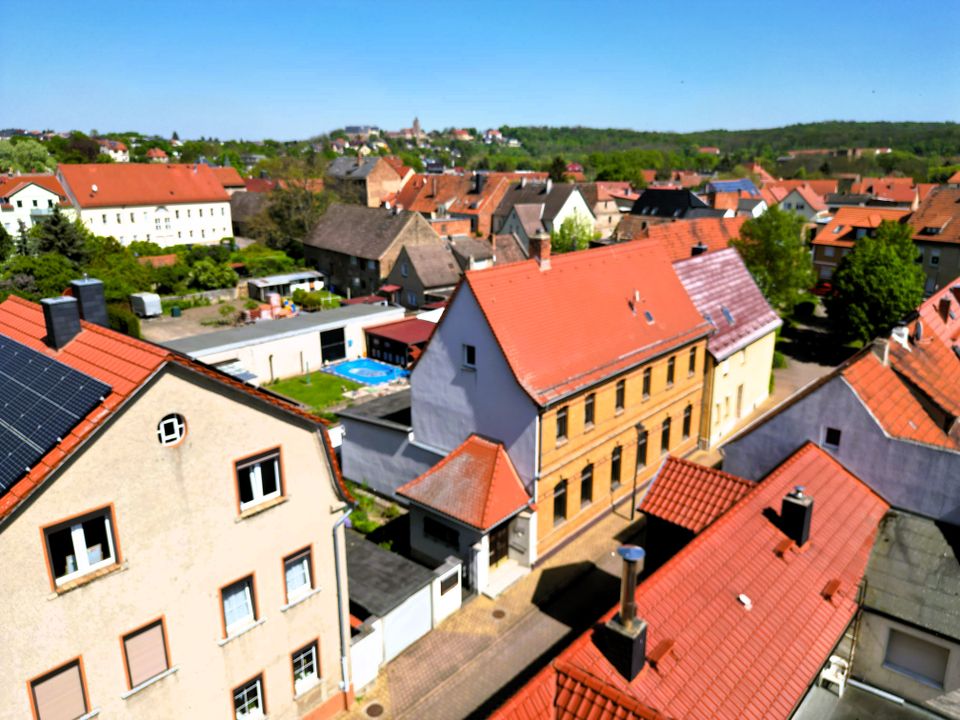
(156, 153)
(475, 484)
(726, 661)
(158, 261)
(228, 177)
(679, 237)
(810, 196)
(410, 331)
(691, 495)
(933, 368)
(581, 696)
(718, 281)
(935, 312)
(556, 341)
(126, 184)
(820, 187)
(12, 185)
(897, 410)
(260, 185)
(955, 178)
(937, 219)
(118, 360)
(895, 189)
(841, 230)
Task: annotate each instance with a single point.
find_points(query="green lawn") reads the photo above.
(318, 390)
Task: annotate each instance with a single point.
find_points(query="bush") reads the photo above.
(208, 275)
(184, 303)
(392, 512)
(122, 319)
(779, 360)
(316, 300)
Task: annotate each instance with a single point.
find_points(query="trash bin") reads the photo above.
(175, 311)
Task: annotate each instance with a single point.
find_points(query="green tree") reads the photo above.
(876, 284)
(209, 275)
(774, 252)
(575, 233)
(58, 234)
(290, 214)
(24, 156)
(108, 260)
(25, 244)
(558, 168)
(7, 245)
(37, 277)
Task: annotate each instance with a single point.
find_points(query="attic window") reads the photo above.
(837, 229)
(930, 230)
(649, 316)
(728, 316)
(171, 429)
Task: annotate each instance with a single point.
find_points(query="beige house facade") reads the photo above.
(181, 561)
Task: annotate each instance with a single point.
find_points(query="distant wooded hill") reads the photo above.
(921, 138)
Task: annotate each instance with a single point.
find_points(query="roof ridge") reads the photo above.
(711, 470)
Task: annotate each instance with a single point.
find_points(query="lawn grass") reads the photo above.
(322, 390)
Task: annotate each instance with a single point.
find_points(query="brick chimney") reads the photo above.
(625, 638)
(540, 250)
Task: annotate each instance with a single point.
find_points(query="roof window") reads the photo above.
(649, 316)
(728, 316)
(837, 229)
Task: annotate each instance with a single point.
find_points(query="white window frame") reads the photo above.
(256, 480)
(171, 429)
(81, 553)
(244, 586)
(302, 559)
(244, 696)
(305, 657)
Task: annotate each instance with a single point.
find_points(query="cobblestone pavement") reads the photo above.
(473, 660)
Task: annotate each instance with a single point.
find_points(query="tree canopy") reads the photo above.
(60, 235)
(290, 214)
(773, 249)
(574, 233)
(876, 284)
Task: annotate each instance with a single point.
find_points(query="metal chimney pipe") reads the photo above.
(633, 557)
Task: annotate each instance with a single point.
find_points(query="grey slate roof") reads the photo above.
(356, 230)
(914, 574)
(536, 194)
(435, 265)
(465, 247)
(509, 249)
(385, 410)
(267, 330)
(346, 167)
(380, 580)
(670, 203)
(531, 218)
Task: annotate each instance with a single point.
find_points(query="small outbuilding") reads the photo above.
(399, 342)
(284, 285)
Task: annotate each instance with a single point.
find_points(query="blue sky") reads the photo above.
(288, 69)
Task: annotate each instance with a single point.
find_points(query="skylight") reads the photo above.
(648, 315)
(727, 314)
(837, 229)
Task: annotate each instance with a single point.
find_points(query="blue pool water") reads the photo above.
(366, 371)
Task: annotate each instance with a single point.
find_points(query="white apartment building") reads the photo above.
(167, 204)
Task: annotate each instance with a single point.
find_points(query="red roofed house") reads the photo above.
(686, 238)
(184, 532)
(230, 179)
(898, 192)
(891, 414)
(583, 396)
(116, 150)
(740, 351)
(166, 204)
(804, 201)
(29, 199)
(708, 150)
(157, 155)
(837, 238)
(736, 626)
(936, 227)
(398, 342)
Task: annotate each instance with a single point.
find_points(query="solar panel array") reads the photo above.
(41, 401)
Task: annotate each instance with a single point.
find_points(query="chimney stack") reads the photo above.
(625, 641)
(93, 305)
(540, 250)
(796, 514)
(61, 316)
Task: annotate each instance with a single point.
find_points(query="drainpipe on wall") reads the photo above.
(344, 638)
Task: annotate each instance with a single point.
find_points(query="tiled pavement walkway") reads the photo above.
(472, 656)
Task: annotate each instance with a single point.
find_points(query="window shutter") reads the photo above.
(60, 696)
(146, 654)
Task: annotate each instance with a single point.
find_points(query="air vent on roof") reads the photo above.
(649, 316)
(728, 316)
(94, 188)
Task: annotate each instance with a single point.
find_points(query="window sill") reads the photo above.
(559, 523)
(299, 600)
(306, 691)
(645, 398)
(95, 575)
(245, 630)
(562, 441)
(144, 685)
(265, 505)
(91, 714)
(587, 427)
(468, 368)
(618, 411)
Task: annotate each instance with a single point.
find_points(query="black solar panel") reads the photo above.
(41, 400)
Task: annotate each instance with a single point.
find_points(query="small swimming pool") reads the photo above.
(367, 371)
